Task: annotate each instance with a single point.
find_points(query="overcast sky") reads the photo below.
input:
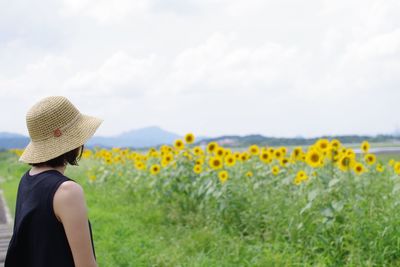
(277, 68)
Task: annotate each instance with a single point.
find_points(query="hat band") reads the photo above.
(60, 130)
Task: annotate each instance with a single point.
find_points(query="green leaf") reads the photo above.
(327, 212)
(308, 206)
(396, 188)
(312, 195)
(333, 182)
(337, 205)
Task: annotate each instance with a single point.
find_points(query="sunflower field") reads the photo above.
(322, 205)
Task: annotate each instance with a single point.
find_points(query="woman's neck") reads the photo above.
(35, 170)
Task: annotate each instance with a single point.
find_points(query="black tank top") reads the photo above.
(39, 239)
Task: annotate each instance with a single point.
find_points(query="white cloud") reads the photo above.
(119, 75)
(219, 64)
(105, 11)
(272, 64)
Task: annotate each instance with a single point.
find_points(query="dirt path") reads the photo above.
(5, 229)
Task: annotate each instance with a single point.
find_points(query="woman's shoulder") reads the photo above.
(69, 187)
(68, 200)
(69, 192)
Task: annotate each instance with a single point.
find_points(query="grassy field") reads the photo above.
(131, 230)
(352, 221)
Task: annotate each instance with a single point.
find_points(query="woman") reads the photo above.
(51, 225)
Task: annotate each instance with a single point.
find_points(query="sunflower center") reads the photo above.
(346, 161)
(314, 157)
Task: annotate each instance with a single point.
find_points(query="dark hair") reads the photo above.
(71, 157)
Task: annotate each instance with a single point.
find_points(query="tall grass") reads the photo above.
(335, 220)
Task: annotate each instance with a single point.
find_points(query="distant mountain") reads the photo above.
(11, 135)
(154, 136)
(143, 137)
(12, 140)
(140, 138)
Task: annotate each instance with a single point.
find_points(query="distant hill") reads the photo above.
(143, 137)
(139, 138)
(12, 140)
(4, 135)
(247, 140)
(154, 136)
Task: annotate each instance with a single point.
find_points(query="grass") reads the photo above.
(131, 229)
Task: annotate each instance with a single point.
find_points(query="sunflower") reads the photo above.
(108, 161)
(244, 156)
(284, 161)
(335, 144)
(223, 176)
(302, 175)
(283, 150)
(278, 154)
(296, 153)
(92, 178)
(228, 151)
(350, 152)
(220, 151)
(345, 163)
(165, 148)
(86, 154)
(275, 170)
(164, 163)
(117, 159)
(155, 169)
(370, 159)
(130, 156)
(297, 181)
(139, 165)
(178, 144)
(314, 158)
(211, 147)
(168, 157)
(335, 155)
(254, 150)
(200, 161)
(249, 174)
(230, 160)
(215, 162)
(365, 146)
(265, 157)
(197, 169)
(379, 168)
(358, 168)
(189, 138)
(198, 151)
(397, 167)
(323, 144)
(237, 155)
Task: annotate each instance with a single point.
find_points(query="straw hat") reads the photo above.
(55, 127)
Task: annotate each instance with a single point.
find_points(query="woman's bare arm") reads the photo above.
(70, 208)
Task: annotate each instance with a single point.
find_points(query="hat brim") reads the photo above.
(75, 136)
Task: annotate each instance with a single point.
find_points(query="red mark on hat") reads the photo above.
(57, 132)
